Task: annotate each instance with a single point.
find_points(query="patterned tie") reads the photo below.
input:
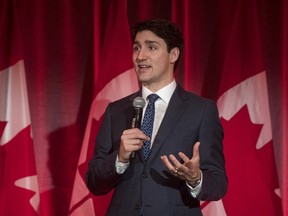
(147, 124)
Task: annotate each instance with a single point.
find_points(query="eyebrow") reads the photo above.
(147, 42)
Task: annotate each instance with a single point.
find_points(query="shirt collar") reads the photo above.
(164, 93)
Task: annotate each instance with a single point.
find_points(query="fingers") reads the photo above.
(134, 133)
(173, 165)
(174, 161)
(195, 157)
(196, 150)
(189, 167)
(133, 136)
(167, 163)
(184, 157)
(131, 141)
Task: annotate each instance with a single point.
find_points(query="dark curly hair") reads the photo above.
(164, 29)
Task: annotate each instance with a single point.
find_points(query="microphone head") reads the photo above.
(139, 102)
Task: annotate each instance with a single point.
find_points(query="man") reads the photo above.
(182, 162)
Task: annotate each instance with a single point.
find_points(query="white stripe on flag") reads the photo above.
(13, 101)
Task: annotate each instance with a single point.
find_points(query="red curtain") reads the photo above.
(69, 60)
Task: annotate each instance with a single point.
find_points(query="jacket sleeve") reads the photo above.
(212, 162)
(101, 176)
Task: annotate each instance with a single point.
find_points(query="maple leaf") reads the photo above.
(2, 127)
(17, 164)
(82, 198)
(251, 172)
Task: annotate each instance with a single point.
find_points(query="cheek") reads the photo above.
(133, 58)
(162, 62)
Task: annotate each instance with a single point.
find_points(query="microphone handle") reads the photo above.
(136, 123)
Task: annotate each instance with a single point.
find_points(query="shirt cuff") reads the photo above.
(121, 167)
(194, 191)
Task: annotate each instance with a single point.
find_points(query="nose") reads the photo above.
(141, 55)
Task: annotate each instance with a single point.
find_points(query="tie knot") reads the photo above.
(152, 98)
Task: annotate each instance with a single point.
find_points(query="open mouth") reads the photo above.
(143, 67)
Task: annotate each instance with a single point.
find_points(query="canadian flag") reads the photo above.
(19, 194)
(114, 79)
(253, 187)
(18, 179)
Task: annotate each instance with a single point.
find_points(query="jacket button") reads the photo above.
(145, 174)
(137, 207)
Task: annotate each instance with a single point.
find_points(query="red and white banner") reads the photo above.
(113, 80)
(253, 187)
(19, 193)
(18, 179)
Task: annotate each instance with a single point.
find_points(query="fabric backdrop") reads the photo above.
(62, 62)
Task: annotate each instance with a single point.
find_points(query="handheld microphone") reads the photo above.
(138, 105)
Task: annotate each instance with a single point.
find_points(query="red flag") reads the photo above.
(244, 109)
(114, 79)
(19, 194)
(279, 101)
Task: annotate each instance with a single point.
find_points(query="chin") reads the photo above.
(143, 78)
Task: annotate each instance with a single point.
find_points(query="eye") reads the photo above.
(136, 48)
(152, 47)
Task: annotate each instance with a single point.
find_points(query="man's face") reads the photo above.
(152, 62)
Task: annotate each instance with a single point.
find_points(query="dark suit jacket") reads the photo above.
(188, 118)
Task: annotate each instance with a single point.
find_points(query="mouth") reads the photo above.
(143, 67)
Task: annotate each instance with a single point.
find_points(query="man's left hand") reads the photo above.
(189, 170)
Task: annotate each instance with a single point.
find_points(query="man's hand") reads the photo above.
(131, 141)
(189, 171)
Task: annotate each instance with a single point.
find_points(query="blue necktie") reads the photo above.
(147, 124)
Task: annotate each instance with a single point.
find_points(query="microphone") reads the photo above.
(138, 105)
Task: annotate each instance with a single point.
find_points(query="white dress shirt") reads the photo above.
(161, 105)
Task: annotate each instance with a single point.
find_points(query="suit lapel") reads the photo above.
(175, 110)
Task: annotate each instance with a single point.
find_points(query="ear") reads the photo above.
(174, 54)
